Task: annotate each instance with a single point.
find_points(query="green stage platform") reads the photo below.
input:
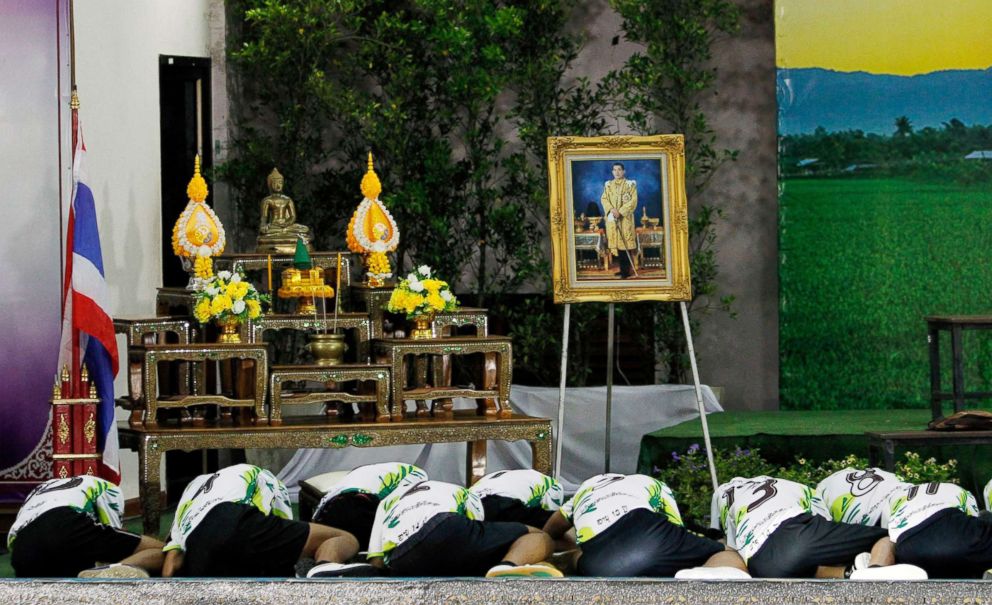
(817, 435)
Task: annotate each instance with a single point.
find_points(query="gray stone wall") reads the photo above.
(738, 354)
(741, 354)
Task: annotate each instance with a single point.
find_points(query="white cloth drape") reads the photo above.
(636, 410)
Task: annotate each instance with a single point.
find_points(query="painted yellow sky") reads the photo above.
(902, 37)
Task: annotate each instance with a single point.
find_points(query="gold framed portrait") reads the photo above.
(619, 219)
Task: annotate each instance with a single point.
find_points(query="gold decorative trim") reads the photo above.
(89, 429)
(670, 150)
(63, 433)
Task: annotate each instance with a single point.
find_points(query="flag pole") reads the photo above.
(74, 107)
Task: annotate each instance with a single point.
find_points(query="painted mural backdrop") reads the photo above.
(30, 249)
(885, 168)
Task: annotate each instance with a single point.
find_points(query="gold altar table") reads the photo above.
(245, 359)
(493, 398)
(464, 425)
(346, 372)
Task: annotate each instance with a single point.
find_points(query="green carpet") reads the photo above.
(816, 435)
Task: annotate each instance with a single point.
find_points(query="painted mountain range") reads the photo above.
(812, 97)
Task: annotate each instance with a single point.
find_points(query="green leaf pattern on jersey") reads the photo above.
(660, 504)
(389, 481)
(538, 491)
(963, 504)
(895, 512)
(461, 498)
(92, 505)
(808, 497)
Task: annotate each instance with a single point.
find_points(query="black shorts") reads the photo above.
(501, 508)
(644, 543)
(949, 544)
(801, 544)
(354, 512)
(453, 545)
(238, 541)
(63, 542)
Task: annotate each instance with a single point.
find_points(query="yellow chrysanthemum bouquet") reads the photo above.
(227, 297)
(421, 294)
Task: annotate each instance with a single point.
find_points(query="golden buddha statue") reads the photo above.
(278, 229)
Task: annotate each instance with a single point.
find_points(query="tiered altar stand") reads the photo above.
(187, 393)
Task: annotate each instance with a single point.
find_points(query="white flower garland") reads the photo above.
(187, 246)
(374, 246)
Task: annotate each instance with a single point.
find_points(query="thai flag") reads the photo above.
(87, 327)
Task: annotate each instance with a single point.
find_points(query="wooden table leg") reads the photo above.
(149, 486)
(957, 361)
(936, 405)
(475, 467)
(382, 413)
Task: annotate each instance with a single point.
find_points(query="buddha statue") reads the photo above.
(278, 229)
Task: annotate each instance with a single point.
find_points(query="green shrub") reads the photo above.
(689, 477)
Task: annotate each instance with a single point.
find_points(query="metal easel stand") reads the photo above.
(609, 392)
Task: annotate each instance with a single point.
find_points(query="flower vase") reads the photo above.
(230, 332)
(423, 327)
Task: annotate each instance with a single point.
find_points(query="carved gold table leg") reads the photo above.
(275, 401)
(397, 383)
(540, 449)
(149, 489)
(382, 413)
(476, 462)
(505, 377)
(420, 380)
(487, 406)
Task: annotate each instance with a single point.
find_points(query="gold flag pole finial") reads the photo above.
(74, 100)
(85, 374)
(57, 390)
(92, 391)
(65, 373)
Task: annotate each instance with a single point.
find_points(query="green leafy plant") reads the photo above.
(689, 477)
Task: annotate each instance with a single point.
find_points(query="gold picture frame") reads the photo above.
(623, 179)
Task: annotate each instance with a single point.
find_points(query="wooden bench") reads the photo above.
(882, 445)
(151, 443)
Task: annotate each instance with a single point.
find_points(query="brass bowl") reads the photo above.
(579, 225)
(594, 222)
(653, 222)
(327, 349)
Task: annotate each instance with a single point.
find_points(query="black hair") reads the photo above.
(618, 164)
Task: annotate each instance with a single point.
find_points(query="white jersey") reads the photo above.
(240, 484)
(602, 500)
(100, 499)
(375, 479)
(534, 489)
(402, 513)
(913, 504)
(751, 509)
(859, 497)
(987, 493)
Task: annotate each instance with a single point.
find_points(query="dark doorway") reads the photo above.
(184, 102)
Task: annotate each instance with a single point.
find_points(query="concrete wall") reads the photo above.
(740, 355)
(118, 43)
